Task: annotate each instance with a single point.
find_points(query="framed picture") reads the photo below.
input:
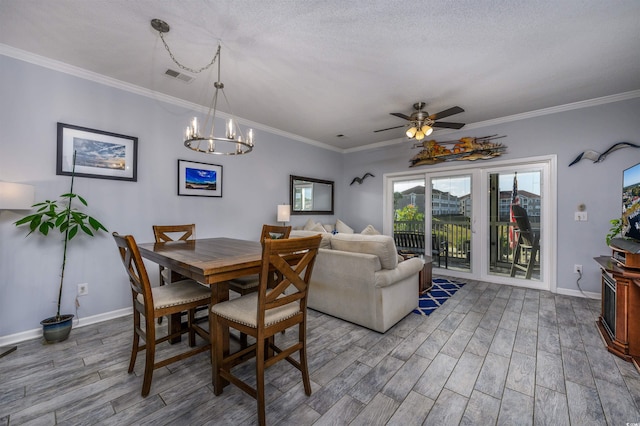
(98, 154)
(199, 179)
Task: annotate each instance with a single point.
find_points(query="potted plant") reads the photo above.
(616, 229)
(59, 214)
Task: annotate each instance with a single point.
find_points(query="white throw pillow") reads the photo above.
(309, 225)
(328, 227)
(317, 228)
(342, 227)
(370, 230)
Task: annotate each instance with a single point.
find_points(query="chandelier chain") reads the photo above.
(166, 46)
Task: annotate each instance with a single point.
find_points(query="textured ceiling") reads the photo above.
(318, 69)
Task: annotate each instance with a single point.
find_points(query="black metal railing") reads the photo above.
(453, 236)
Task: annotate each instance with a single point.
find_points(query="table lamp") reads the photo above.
(284, 213)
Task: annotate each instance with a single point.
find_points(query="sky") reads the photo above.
(459, 186)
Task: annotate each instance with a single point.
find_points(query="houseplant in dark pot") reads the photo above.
(59, 214)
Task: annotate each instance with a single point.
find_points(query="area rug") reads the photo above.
(442, 290)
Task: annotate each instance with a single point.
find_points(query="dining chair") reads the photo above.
(165, 233)
(265, 313)
(249, 283)
(151, 303)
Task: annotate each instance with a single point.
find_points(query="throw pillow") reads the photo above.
(309, 225)
(370, 230)
(343, 227)
(317, 228)
(328, 227)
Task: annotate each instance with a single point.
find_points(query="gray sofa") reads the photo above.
(361, 279)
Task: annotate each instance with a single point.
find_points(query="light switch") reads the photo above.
(581, 216)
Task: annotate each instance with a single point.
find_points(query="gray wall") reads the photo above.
(598, 186)
(34, 99)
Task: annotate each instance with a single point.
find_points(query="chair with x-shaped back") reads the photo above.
(280, 303)
(151, 303)
(249, 284)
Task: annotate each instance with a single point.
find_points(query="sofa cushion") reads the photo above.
(324, 243)
(343, 228)
(379, 245)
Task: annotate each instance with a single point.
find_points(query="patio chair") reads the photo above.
(527, 246)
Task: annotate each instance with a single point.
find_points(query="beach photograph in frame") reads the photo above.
(199, 179)
(99, 154)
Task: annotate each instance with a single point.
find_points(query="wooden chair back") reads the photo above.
(164, 233)
(138, 277)
(275, 232)
(290, 263)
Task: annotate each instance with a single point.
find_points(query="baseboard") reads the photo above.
(77, 323)
(578, 293)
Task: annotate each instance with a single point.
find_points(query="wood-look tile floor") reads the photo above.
(491, 354)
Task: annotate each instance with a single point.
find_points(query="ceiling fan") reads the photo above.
(422, 123)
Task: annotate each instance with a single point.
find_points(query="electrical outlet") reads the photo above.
(83, 289)
(577, 269)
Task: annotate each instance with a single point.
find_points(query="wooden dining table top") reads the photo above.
(207, 260)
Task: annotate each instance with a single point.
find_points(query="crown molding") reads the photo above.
(118, 84)
(132, 88)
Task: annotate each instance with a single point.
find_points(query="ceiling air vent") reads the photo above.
(178, 75)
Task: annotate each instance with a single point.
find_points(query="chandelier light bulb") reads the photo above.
(411, 132)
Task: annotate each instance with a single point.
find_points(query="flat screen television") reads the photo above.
(631, 203)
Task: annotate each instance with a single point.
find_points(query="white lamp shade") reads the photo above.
(284, 212)
(16, 196)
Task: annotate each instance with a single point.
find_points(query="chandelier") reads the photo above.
(201, 138)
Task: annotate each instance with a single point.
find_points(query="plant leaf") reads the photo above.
(72, 232)
(44, 228)
(86, 229)
(96, 225)
(25, 220)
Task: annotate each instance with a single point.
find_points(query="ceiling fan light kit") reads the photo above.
(201, 138)
(422, 124)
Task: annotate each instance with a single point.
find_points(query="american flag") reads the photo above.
(515, 200)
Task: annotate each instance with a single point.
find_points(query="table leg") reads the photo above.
(219, 293)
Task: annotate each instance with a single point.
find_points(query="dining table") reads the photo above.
(210, 261)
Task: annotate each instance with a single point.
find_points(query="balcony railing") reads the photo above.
(453, 235)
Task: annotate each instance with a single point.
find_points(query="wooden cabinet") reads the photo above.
(619, 321)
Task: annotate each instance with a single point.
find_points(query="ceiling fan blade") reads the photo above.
(447, 125)
(401, 115)
(388, 128)
(446, 113)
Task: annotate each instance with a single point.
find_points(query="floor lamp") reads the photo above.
(15, 196)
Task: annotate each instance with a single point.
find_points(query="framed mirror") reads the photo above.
(310, 196)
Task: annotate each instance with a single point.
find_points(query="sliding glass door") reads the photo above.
(490, 223)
